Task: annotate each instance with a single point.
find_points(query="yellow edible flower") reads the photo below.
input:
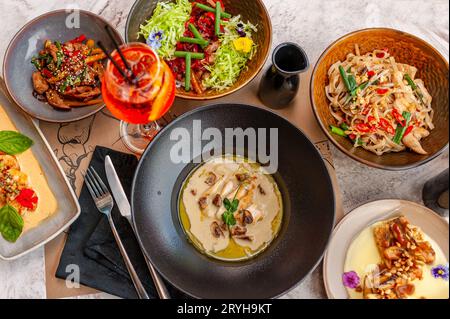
(243, 44)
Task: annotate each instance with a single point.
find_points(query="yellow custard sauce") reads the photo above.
(363, 255)
(47, 204)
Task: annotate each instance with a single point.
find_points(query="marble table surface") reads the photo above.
(312, 24)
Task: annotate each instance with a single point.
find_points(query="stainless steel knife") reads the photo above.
(125, 210)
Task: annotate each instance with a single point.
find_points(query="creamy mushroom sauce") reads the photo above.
(258, 216)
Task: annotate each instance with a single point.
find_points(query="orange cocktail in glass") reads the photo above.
(140, 99)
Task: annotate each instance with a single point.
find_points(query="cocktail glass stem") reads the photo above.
(136, 137)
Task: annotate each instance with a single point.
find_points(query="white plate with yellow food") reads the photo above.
(388, 249)
(36, 201)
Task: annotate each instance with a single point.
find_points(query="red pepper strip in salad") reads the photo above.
(398, 117)
(386, 126)
(365, 110)
(408, 130)
(79, 39)
(363, 128)
(382, 91)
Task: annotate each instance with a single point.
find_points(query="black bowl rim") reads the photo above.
(224, 93)
(330, 136)
(241, 105)
(22, 29)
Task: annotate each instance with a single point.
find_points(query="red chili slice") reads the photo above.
(398, 117)
(386, 126)
(370, 74)
(380, 55)
(408, 130)
(363, 128)
(47, 73)
(79, 39)
(382, 91)
(365, 110)
(370, 119)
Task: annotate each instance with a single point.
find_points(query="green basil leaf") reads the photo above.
(228, 218)
(13, 143)
(227, 203)
(234, 205)
(11, 223)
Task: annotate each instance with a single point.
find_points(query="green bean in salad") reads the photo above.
(187, 80)
(202, 43)
(213, 10)
(217, 18)
(194, 55)
(195, 32)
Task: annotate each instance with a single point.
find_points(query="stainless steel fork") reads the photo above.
(105, 203)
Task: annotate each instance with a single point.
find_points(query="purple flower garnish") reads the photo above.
(240, 30)
(241, 33)
(350, 279)
(440, 271)
(154, 40)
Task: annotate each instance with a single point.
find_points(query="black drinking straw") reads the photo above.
(121, 71)
(116, 45)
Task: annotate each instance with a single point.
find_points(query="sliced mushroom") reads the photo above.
(247, 217)
(217, 201)
(238, 230)
(202, 202)
(242, 177)
(244, 237)
(223, 226)
(216, 231)
(261, 190)
(211, 179)
(244, 217)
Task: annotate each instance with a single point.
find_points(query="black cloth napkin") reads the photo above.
(91, 245)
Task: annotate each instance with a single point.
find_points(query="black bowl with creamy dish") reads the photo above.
(307, 200)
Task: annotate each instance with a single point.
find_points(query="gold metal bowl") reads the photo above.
(253, 11)
(406, 48)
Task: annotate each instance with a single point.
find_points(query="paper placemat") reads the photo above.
(74, 143)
